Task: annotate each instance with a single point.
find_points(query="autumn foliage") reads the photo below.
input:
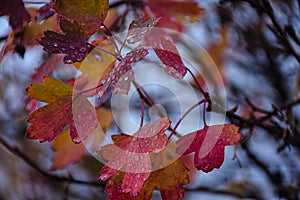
(61, 111)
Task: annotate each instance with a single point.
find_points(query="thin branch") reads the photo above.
(205, 94)
(17, 152)
(126, 2)
(149, 102)
(113, 39)
(266, 7)
(36, 2)
(101, 49)
(222, 192)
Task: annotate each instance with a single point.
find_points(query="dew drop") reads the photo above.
(103, 177)
(55, 45)
(68, 61)
(82, 49)
(136, 157)
(76, 139)
(98, 58)
(72, 47)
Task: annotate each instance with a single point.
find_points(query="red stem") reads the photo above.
(185, 114)
(104, 50)
(142, 112)
(205, 94)
(110, 34)
(204, 112)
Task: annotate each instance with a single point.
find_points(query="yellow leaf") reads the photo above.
(36, 30)
(95, 67)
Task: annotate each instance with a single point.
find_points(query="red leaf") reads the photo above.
(174, 14)
(121, 75)
(62, 109)
(72, 42)
(209, 145)
(132, 154)
(167, 52)
(16, 11)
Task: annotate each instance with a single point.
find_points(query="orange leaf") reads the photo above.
(95, 66)
(36, 30)
(169, 180)
(66, 151)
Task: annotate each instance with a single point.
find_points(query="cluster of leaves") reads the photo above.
(134, 162)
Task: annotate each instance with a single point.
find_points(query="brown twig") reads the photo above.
(17, 152)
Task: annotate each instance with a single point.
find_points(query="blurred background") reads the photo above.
(255, 47)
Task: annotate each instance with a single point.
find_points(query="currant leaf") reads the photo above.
(72, 42)
(169, 180)
(209, 145)
(131, 153)
(63, 108)
(67, 152)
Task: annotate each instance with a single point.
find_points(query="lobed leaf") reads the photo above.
(72, 42)
(62, 109)
(208, 144)
(67, 152)
(131, 154)
(169, 180)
